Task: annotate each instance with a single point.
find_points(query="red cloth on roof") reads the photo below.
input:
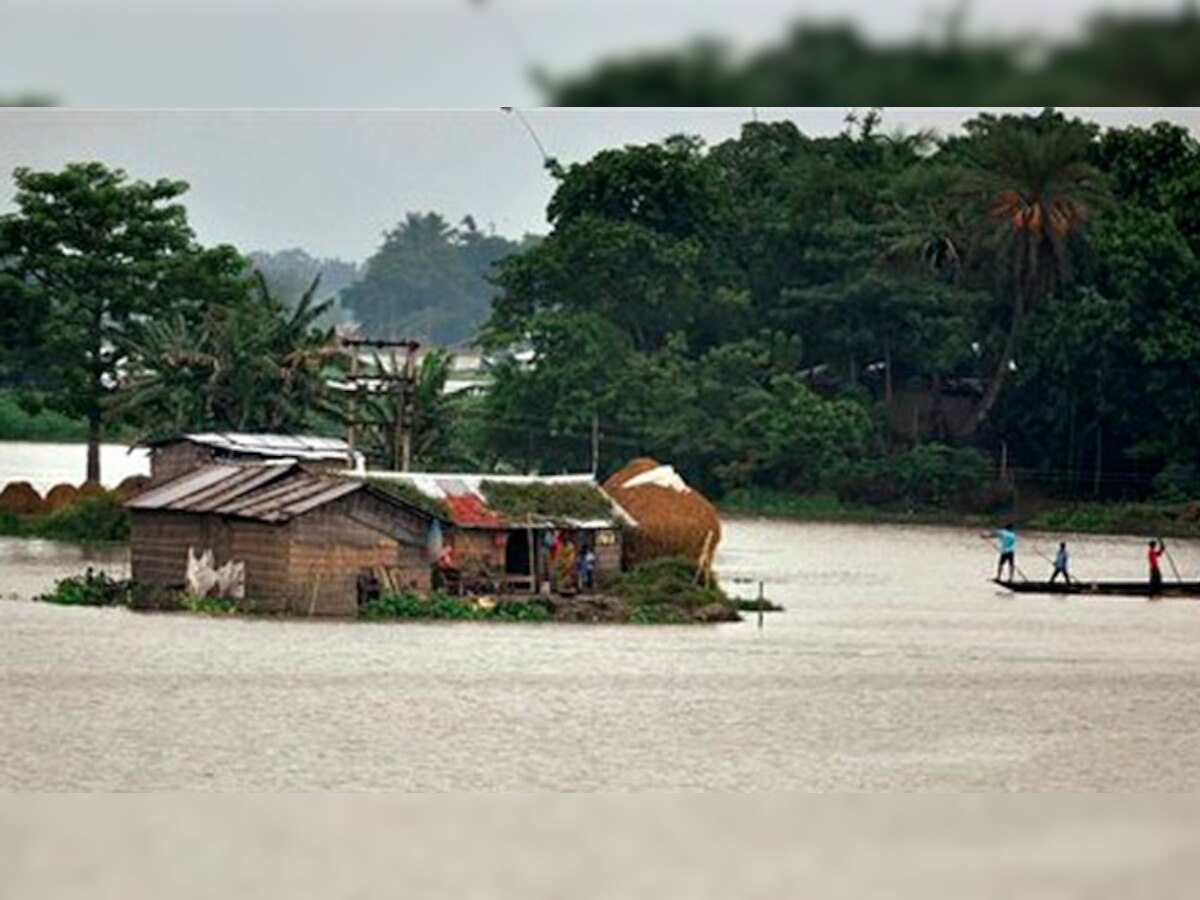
(468, 509)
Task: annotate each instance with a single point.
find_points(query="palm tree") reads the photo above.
(253, 364)
(1034, 194)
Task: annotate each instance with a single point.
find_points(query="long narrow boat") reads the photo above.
(1110, 588)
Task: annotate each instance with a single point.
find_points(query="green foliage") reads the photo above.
(89, 520)
(85, 257)
(664, 591)
(1148, 519)
(213, 606)
(546, 501)
(441, 606)
(407, 492)
(250, 363)
(17, 423)
(90, 589)
(1131, 57)
(290, 273)
(100, 518)
(428, 280)
(927, 476)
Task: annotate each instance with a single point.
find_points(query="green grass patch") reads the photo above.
(664, 591)
(1147, 519)
(443, 607)
(551, 502)
(408, 493)
(213, 606)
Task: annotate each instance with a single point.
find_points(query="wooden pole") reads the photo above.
(535, 577)
(761, 604)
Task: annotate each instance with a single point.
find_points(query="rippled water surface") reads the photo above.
(895, 667)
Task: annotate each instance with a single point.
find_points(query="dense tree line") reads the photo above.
(762, 311)
(1130, 58)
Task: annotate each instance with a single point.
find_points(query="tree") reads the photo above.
(289, 273)
(254, 364)
(428, 280)
(96, 253)
(1034, 191)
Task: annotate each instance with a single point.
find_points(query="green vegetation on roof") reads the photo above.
(410, 494)
(536, 500)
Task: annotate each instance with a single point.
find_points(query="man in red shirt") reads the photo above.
(1157, 548)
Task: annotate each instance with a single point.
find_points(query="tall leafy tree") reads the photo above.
(94, 253)
(1033, 192)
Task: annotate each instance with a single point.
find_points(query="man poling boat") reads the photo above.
(1152, 587)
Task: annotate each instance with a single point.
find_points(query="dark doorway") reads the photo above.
(516, 553)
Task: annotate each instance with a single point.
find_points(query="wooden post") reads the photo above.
(535, 577)
(761, 604)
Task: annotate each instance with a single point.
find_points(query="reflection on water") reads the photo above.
(45, 465)
(897, 666)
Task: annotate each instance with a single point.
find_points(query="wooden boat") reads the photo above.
(1106, 588)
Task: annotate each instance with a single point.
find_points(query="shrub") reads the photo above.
(99, 518)
(209, 605)
(10, 523)
(664, 591)
(89, 589)
(408, 605)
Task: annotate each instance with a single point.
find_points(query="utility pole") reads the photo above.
(389, 424)
(595, 444)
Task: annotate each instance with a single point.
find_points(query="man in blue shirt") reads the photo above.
(1061, 560)
(1006, 543)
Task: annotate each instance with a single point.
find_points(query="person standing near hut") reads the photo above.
(565, 566)
(585, 568)
(1153, 554)
(1006, 544)
(1062, 560)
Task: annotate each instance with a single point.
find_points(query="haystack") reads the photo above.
(131, 486)
(20, 497)
(60, 496)
(91, 489)
(673, 519)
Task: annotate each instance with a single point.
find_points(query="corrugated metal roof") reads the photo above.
(267, 492)
(294, 446)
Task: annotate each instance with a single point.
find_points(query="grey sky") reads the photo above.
(405, 53)
(333, 181)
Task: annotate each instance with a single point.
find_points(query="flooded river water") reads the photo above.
(896, 667)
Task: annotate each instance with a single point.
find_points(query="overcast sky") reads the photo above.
(332, 182)
(427, 53)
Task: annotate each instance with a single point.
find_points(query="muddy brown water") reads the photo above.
(896, 666)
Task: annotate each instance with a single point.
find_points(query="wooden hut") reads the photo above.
(173, 456)
(503, 529)
(305, 537)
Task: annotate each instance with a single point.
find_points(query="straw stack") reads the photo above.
(673, 519)
(20, 497)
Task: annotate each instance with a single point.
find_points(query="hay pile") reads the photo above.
(131, 486)
(21, 498)
(91, 489)
(60, 496)
(673, 519)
